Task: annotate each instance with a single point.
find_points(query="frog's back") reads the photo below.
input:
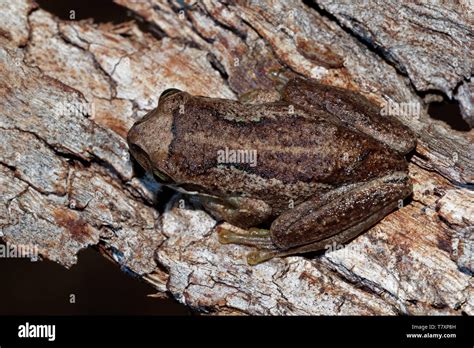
(228, 147)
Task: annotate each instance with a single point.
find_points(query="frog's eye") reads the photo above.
(163, 178)
(168, 92)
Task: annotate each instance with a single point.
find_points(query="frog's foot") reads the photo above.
(256, 237)
(259, 256)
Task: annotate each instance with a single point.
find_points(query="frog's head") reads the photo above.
(150, 138)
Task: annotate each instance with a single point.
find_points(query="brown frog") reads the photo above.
(317, 163)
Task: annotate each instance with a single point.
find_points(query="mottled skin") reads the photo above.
(328, 165)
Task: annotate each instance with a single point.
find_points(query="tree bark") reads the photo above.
(70, 90)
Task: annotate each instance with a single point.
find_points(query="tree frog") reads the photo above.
(296, 171)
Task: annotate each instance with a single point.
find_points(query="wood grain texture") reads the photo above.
(70, 90)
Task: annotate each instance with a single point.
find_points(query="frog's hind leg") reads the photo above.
(260, 255)
(338, 216)
(334, 218)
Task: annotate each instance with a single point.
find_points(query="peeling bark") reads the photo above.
(14, 19)
(70, 90)
(431, 43)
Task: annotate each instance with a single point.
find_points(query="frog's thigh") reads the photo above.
(338, 216)
(239, 211)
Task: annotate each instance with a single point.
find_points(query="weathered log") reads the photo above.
(70, 90)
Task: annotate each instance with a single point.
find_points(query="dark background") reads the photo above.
(99, 286)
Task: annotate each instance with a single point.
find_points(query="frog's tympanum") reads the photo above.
(317, 164)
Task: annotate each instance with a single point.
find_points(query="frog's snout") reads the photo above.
(136, 149)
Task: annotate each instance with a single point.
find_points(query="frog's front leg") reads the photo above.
(337, 216)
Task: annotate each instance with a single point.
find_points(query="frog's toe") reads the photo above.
(259, 256)
(256, 237)
(229, 234)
